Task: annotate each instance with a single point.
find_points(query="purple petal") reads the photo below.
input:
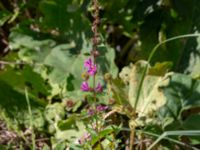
(99, 88)
(88, 63)
(101, 108)
(92, 70)
(85, 87)
(91, 112)
(90, 66)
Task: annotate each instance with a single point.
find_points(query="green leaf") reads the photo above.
(52, 19)
(62, 64)
(71, 135)
(67, 124)
(160, 69)
(119, 11)
(45, 147)
(68, 17)
(191, 66)
(76, 97)
(60, 146)
(150, 98)
(102, 134)
(31, 48)
(4, 17)
(106, 60)
(192, 122)
(13, 103)
(3, 147)
(54, 112)
(119, 91)
(25, 77)
(182, 93)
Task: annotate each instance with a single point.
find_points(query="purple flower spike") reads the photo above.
(85, 87)
(99, 88)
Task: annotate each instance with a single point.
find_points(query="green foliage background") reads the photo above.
(47, 41)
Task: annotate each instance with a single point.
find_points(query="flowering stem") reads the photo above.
(91, 65)
(95, 42)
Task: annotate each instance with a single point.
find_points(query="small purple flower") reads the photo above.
(85, 87)
(90, 66)
(88, 63)
(91, 112)
(99, 88)
(101, 108)
(92, 70)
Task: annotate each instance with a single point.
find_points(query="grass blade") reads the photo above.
(31, 119)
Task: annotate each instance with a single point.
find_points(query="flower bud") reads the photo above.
(85, 76)
(95, 53)
(107, 77)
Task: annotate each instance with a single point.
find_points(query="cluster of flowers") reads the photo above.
(91, 71)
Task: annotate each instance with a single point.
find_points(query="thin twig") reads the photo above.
(12, 63)
(42, 139)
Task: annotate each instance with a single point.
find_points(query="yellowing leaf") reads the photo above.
(151, 98)
(160, 69)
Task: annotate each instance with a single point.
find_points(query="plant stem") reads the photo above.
(173, 133)
(94, 53)
(132, 138)
(94, 42)
(31, 119)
